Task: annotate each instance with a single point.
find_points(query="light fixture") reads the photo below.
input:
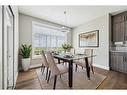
(64, 28)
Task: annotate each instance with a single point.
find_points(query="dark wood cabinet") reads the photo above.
(119, 27)
(125, 26)
(118, 62)
(118, 32)
(125, 64)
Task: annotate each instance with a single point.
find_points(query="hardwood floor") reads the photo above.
(28, 80)
(114, 80)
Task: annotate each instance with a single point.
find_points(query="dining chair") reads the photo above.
(56, 69)
(44, 64)
(72, 51)
(88, 52)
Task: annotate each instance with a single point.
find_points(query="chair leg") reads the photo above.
(48, 76)
(46, 73)
(76, 67)
(42, 67)
(92, 69)
(43, 70)
(55, 78)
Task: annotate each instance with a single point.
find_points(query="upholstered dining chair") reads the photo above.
(88, 52)
(56, 69)
(44, 65)
(72, 51)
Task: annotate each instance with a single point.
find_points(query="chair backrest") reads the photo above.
(89, 52)
(72, 51)
(52, 64)
(44, 60)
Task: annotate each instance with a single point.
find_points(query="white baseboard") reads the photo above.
(101, 66)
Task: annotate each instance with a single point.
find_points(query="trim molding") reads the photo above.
(101, 66)
(15, 79)
(2, 47)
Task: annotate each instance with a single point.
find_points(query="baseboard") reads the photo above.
(101, 66)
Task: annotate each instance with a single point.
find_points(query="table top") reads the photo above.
(72, 57)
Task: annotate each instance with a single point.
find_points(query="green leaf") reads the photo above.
(26, 50)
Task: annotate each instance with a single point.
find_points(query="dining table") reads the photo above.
(70, 59)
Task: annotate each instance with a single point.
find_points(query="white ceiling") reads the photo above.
(76, 15)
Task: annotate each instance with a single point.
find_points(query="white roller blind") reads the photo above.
(47, 37)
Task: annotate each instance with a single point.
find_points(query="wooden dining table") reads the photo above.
(70, 60)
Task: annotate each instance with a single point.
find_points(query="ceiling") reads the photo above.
(75, 16)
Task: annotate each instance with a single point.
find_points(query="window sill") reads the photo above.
(36, 57)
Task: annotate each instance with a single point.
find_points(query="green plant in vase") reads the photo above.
(26, 52)
(66, 47)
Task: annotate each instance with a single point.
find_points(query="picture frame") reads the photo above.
(89, 39)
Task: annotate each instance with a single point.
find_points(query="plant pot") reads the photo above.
(25, 64)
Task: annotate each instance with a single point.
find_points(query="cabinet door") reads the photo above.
(125, 35)
(118, 18)
(125, 27)
(113, 61)
(118, 28)
(118, 32)
(121, 32)
(117, 62)
(125, 65)
(120, 63)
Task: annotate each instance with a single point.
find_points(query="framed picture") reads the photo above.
(89, 39)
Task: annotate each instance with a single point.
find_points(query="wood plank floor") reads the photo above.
(114, 80)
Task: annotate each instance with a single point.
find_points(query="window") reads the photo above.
(45, 38)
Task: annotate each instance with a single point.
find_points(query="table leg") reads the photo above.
(58, 61)
(87, 68)
(70, 75)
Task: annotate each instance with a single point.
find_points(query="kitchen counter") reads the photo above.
(119, 52)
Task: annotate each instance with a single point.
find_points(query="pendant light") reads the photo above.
(65, 29)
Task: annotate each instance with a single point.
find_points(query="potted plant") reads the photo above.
(26, 52)
(66, 47)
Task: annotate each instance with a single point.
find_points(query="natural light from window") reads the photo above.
(46, 38)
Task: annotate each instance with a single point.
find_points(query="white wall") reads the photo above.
(0, 47)
(102, 52)
(25, 28)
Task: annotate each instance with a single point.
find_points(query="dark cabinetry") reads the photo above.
(119, 27)
(118, 62)
(125, 26)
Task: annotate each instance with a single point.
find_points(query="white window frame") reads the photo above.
(43, 25)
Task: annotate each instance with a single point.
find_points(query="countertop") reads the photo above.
(119, 51)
